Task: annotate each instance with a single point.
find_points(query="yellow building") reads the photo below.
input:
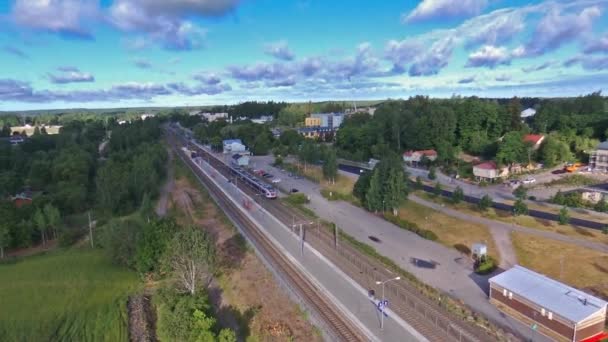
(312, 122)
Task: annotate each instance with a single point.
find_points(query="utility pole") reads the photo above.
(91, 231)
(301, 239)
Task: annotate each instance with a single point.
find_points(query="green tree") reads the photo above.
(564, 216)
(226, 335)
(554, 151)
(457, 195)
(395, 189)
(520, 192)
(374, 197)
(41, 225)
(485, 203)
(520, 208)
(419, 184)
(432, 173)
(438, 189)
(601, 206)
(512, 149)
(362, 186)
(53, 218)
(203, 325)
(119, 241)
(559, 198)
(330, 167)
(152, 241)
(514, 109)
(191, 258)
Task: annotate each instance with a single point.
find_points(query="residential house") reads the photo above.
(147, 115)
(488, 171)
(22, 198)
(535, 139)
(210, 117)
(414, 157)
(312, 122)
(598, 158)
(233, 146)
(316, 132)
(528, 112)
(550, 307)
(240, 160)
(262, 119)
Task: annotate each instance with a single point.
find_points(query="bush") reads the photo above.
(532, 198)
(457, 195)
(487, 266)
(485, 203)
(278, 161)
(605, 230)
(520, 208)
(432, 173)
(564, 216)
(297, 199)
(412, 227)
(69, 236)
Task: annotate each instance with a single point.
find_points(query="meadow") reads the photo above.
(65, 295)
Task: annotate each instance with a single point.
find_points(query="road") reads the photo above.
(452, 272)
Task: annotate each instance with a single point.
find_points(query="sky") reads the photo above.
(127, 53)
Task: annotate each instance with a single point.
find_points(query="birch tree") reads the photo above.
(40, 223)
(191, 258)
(4, 238)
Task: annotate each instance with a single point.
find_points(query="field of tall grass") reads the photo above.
(65, 295)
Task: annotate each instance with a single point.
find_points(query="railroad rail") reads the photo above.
(341, 328)
(423, 314)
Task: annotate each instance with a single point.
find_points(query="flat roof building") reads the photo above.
(547, 305)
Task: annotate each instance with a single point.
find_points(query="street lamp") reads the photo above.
(382, 301)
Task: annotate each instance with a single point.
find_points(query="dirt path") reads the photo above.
(23, 252)
(161, 206)
(141, 319)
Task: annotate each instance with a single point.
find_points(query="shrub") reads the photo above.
(297, 199)
(605, 230)
(432, 173)
(412, 227)
(485, 203)
(418, 185)
(457, 195)
(487, 266)
(520, 208)
(564, 217)
(437, 190)
(532, 198)
(69, 236)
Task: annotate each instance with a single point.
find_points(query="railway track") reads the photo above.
(341, 328)
(411, 296)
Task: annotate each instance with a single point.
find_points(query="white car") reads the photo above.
(276, 180)
(529, 180)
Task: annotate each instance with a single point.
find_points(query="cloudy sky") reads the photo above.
(111, 53)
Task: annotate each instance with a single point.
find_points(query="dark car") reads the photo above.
(267, 175)
(558, 172)
(294, 190)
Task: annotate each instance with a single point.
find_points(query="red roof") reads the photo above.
(423, 152)
(489, 165)
(533, 138)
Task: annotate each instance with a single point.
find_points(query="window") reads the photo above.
(542, 311)
(550, 315)
(510, 295)
(504, 292)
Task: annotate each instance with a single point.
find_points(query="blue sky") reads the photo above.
(121, 53)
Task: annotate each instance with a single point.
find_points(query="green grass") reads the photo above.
(66, 295)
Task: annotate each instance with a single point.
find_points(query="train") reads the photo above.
(267, 190)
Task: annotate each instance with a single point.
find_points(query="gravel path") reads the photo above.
(163, 201)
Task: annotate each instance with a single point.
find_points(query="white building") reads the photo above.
(233, 146)
(526, 113)
(146, 115)
(262, 119)
(210, 117)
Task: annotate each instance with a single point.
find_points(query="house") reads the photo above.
(330, 120)
(488, 171)
(22, 198)
(598, 158)
(276, 132)
(414, 157)
(312, 122)
(316, 132)
(240, 160)
(233, 145)
(210, 117)
(528, 112)
(554, 309)
(535, 139)
(263, 119)
(147, 115)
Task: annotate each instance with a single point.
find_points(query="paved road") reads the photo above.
(452, 274)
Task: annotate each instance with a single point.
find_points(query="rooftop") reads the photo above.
(559, 298)
(423, 152)
(603, 146)
(231, 141)
(533, 138)
(489, 165)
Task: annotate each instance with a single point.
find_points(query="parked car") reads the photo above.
(267, 175)
(294, 190)
(276, 180)
(529, 180)
(558, 172)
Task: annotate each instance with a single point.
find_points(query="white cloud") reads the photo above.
(57, 16)
(431, 9)
(279, 50)
(489, 56)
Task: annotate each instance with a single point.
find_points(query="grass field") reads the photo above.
(452, 232)
(29, 131)
(342, 189)
(582, 268)
(523, 220)
(66, 295)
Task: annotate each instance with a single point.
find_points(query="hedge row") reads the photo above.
(424, 233)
